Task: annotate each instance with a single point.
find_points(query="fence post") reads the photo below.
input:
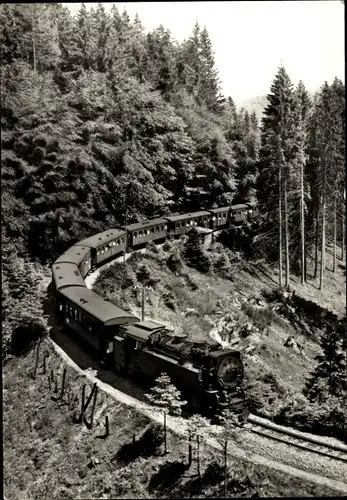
(44, 364)
(37, 352)
(63, 384)
(107, 426)
(93, 407)
(83, 398)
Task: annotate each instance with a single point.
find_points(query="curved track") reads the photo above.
(297, 439)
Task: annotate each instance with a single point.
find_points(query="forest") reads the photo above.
(100, 118)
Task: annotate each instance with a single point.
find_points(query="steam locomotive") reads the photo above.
(208, 376)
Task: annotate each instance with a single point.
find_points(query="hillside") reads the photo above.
(48, 454)
(235, 302)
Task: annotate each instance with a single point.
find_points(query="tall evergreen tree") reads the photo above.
(301, 117)
(276, 160)
(329, 377)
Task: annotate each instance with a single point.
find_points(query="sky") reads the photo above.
(251, 39)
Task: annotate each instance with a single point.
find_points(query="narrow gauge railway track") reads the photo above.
(293, 438)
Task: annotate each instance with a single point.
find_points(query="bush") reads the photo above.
(25, 335)
(168, 246)
(261, 316)
(326, 419)
(174, 261)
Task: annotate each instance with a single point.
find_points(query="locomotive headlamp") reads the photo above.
(229, 371)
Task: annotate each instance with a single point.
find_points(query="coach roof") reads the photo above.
(66, 274)
(74, 255)
(104, 311)
(218, 210)
(101, 238)
(147, 223)
(191, 215)
(239, 207)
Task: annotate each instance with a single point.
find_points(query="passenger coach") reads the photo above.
(104, 246)
(141, 233)
(94, 319)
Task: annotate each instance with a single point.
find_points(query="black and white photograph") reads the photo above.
(173, 250)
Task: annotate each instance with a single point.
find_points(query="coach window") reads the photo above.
(152, 230)
(165, 227)
(137, 345)
(135, 234)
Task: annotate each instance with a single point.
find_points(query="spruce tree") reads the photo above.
(329, 377)
(276, 160)
(167, 397)
(194, 254)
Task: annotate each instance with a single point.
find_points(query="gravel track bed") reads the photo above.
(304, 460)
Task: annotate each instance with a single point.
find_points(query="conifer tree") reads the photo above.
(194, 254)
(198, 429)
(166, 396)
(209, 83)
(276, 160)
(231, 430)
(329, 377)
(301, 114)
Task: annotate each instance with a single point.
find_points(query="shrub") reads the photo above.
(261, 316)
(327, 419)
(174, 261)
(168, 246)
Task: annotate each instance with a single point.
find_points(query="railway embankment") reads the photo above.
(64, 458)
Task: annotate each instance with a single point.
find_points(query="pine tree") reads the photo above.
(231, 431)
(34, 35)
(194, 254)
(166, 396)
(209, 87)
(302, 113)
(188, 63)
(198, 428)
(100, 29)
(276, 160)
(330, 377)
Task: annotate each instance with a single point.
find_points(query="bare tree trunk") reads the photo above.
(198, 452)
(322, 264)
(225, 469)
(316, 245)
(343, 229)
(125, 234)
(280, 224)
(302, 223)
(190, 449)
(165, 442)
(335, 215)
(34, 35)
(143, 303)
(286, 234)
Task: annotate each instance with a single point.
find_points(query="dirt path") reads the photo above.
(179, 426)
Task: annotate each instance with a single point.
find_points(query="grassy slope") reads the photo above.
(202, 301)
(47, 455)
